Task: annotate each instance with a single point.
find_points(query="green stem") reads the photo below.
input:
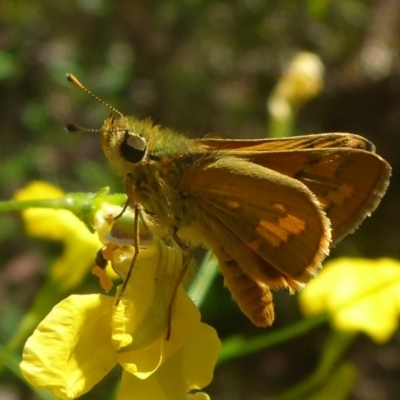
(204, 278)
(16, 205)
(82, 205)
(238, 346)
(279, 127)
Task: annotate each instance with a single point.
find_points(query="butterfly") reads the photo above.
(269, 209)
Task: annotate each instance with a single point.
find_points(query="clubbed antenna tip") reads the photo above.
(71, 78)
(72, 128)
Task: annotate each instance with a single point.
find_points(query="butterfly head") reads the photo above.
(124, 141)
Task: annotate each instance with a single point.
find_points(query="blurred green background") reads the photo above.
(197, 66)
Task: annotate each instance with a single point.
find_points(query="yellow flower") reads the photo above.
(359, 295)
(154, 333)
(302, 81)
(80, 245)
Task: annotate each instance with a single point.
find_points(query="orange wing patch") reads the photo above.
(278, 233)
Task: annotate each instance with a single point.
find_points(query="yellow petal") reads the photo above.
(76, 260)
(144, 313)
(80, 245)
(152, 350)
(185, 322)
(38, 190)
(189, 368)
(359, 294)
(45, 222)
(71, 349)
(196, 359)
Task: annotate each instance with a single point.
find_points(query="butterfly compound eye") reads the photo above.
(133, 148)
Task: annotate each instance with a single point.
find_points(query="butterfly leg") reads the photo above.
(129, 189)
(181, 276)
(136, 207)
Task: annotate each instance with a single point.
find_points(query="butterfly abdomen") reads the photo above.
(253, 298)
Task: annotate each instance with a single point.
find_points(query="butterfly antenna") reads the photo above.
(71, 78)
